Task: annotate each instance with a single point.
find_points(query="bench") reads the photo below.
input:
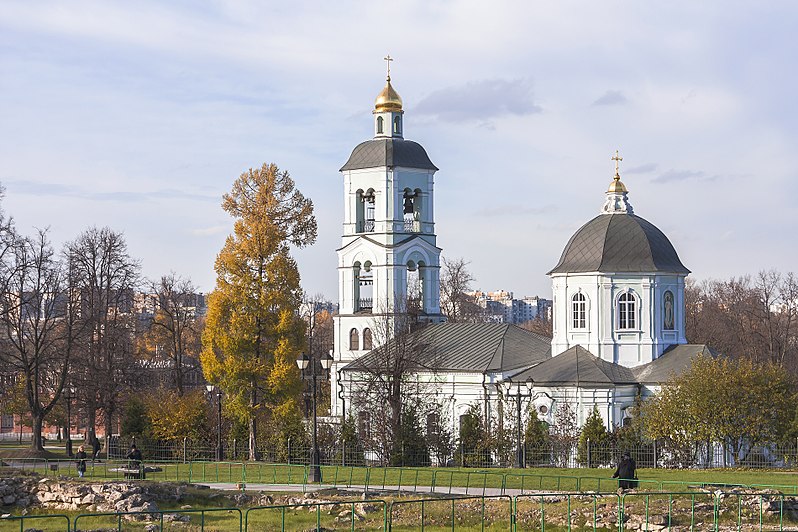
(136, 473)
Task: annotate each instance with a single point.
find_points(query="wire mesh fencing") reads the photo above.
(589, 455)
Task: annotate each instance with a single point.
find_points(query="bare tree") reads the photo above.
(174, 333)
(456, 303)
(104, 276)
(388, 381)
(319, 323)
(38, 327)
(754, 318)
(539, 325)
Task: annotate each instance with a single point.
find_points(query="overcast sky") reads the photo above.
(139, 116)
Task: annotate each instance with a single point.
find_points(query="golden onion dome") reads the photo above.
(388, 100)
(617, 186)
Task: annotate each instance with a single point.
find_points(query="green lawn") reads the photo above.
(420, 479)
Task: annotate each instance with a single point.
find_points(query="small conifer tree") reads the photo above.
(595, 432)
(536, 438)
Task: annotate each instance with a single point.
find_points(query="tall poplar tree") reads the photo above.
(253, 332)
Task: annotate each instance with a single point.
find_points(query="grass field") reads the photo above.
(417, 479)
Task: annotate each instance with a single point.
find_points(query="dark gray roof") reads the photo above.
(619, 243)
(388, 152)
(577, 366)
(466, 347)
(674, 361)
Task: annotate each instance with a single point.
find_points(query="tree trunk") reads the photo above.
(91, 421)
(37, 420)
(253, 424)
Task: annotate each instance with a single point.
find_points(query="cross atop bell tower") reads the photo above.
(388, 60)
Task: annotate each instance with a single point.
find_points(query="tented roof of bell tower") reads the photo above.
(389, 152)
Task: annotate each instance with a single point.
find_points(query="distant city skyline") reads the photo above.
(140, 117)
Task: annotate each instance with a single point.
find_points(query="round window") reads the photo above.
(543, 409)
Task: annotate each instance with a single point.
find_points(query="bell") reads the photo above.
(408, 205)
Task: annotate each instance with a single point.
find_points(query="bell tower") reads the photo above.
(388, 262)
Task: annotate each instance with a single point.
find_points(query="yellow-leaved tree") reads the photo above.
(253, 332)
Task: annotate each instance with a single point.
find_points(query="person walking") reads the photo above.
(626, 472)
(81, 461)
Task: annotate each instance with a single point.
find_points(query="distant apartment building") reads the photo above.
(501, 307)
(145, 304)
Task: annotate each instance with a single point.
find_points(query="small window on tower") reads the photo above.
(579, 311)
(627, 311)
(354, 340)
(367, 345)
(397, 125)
(380, 126)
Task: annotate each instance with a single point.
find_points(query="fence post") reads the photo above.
(589, 454)
(235, 449)
(655, 454)
(185, 440)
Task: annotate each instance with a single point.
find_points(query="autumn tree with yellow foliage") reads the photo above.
(253, 332)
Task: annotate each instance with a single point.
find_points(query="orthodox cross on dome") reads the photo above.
(617, 201)
(617, 158)
(388, 60)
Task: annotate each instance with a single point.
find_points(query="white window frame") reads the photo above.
(627, 317)
(579, 306)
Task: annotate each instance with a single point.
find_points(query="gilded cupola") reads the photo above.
(388, 100)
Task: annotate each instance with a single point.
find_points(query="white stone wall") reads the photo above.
(601, 336)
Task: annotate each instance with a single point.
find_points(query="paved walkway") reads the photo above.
(418, 490)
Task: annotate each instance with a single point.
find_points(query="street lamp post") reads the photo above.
(210, 388)
(308, 368)
(70, 393)
(520, 462)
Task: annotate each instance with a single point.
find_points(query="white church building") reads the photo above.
(618, 297)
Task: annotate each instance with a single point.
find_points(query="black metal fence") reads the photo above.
(647, 455)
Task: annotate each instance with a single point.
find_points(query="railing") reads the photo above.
(327, 514)
(365, 304)
(366, 226)
(445, 481)
(221, 516)
(494, 512)
(411, 225)
(668, 510)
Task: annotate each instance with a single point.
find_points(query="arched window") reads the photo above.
(433, 424)
(627, 311)
(364, 425)
(354, 340)
(411, 210)
(380, 121)
(397, 125)
(367, 339)
(579, 311)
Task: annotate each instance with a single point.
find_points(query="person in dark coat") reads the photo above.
(626, 472)
(134, 456)
(81, 461)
